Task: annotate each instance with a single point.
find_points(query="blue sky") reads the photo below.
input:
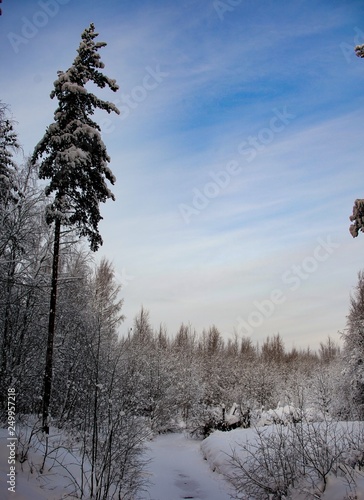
(238, 152)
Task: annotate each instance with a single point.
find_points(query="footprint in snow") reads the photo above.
(190, 488)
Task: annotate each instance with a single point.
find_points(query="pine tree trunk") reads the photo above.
(48, 372)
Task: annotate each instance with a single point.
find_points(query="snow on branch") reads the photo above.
(359, 50)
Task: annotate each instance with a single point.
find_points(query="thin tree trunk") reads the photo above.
(95, 433)
(48, 372)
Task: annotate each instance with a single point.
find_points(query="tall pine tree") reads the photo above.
(73, 156)
(8, 145)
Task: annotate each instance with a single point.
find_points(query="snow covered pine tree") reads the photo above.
(74, 158)
(8, 145)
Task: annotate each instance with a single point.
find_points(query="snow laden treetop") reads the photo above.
(72, 153)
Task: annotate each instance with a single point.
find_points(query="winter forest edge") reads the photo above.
(80, 390)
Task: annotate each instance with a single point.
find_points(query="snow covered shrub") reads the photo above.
(282, 415)
(47, 456)
(265, 468)
(112, 463)
(107, 466)
(297, 459)
(212, 418)
(208, 419)
(27, 430)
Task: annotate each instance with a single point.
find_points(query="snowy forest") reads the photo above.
(82, 390)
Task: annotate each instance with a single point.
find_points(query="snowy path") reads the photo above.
(179, 471)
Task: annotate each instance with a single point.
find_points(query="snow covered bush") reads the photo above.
(112, 465)
(112, 469)
(304, 460)
(281, 415)
(268, 467)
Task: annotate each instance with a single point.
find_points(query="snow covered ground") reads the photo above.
(27, 485)
(178, 470)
